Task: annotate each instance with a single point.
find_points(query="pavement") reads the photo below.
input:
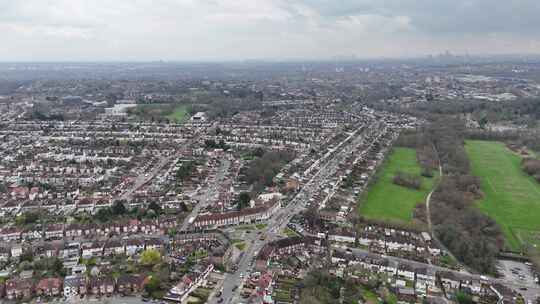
(209, 194)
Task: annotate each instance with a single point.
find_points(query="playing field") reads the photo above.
(179, 114)
(388, 201)
(511, 197)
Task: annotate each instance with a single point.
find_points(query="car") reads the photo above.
(220, 300)
(523, 288)
(145, 299)
(234, 288)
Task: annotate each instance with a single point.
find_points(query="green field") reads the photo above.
(511, 197)
(173, 112)
(179, 114)
(387, 201)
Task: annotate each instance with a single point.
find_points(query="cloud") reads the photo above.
(237, 29)
(440, 16)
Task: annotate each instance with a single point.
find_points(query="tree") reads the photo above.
(119, 208)
(407, 180)
(27, 255)
(243, 200)
(104, 215)
(152, 285)
(312, 217)
(57, 266)
(24, 265)
(150, 257)
(154, 206)
(28, 218)
(172, 232)
(464, 298)
(185, 170)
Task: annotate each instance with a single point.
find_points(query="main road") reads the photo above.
(327, 169)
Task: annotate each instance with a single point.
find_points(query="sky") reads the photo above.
(199, 30)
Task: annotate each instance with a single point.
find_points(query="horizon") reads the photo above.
(344, 59)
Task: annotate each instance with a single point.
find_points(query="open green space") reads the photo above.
(240, 246)
(511, 197)
(388, 201)
(289, 232)
(173, 112)
(179, 114)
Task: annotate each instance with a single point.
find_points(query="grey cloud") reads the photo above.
(237, 29)
(440, 16)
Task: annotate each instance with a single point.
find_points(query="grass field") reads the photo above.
(175, 113)
(511, 197)
(179, 114)
(388, 201)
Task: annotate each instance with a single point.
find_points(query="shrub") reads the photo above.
(407, 180)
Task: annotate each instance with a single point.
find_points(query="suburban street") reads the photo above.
(532, 292)
(210, 193)
(146, 177)
(327, 169)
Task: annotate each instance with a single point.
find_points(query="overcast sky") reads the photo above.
(71, 30)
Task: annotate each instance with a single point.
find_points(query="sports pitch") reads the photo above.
(511, 197)
(387, 201)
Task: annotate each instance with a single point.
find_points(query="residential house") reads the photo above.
(113, 247)
(154, 243)
(4, 254)
(101, 285)
(134, 246)
(49, 287)
(92, 249)
(10, 234)
(74, 285)
(19, 289)
(16, 251)
(129, 283)
(54, 232)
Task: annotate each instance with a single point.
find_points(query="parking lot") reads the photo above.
(517, 271)
(521, 274)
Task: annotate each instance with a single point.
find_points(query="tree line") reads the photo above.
(407, 180)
